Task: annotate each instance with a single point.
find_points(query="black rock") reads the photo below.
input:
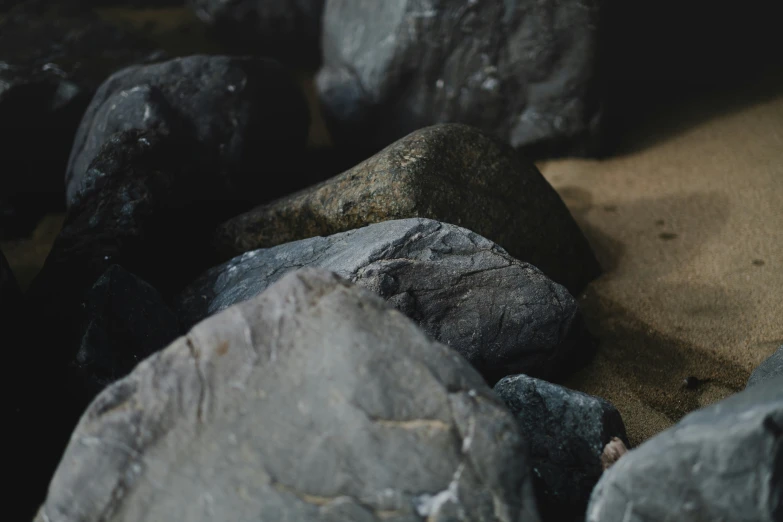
(528, 71)
(568, 431)
(723, 462)
(288, 30)
(503, 315)
(314, 401)
(769, 369)
(51, 62)
(246, 112)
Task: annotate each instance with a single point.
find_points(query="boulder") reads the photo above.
(769, 369)
(568, 432)
(503, 315)
(723, 462)
(248, 112)
(451, 173)
(528, 71)
(312, 402)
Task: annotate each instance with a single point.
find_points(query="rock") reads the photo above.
(528, 71)
(283, 29)
(503, 315)
(247, 111)
(723, 462)
(127, 321)
(51, 62)
(451, 173)
(568, 431)
(10, 295)
(769, 369)
(313, 401)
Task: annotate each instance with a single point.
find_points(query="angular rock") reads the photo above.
(503, 315)
(52, 60)
(314, 401)
(723, 462)
(568, 431)
(288, 30)
(246, 111)
(769, 369)
(451, 173)
(528, 71)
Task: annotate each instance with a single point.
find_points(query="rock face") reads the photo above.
(313, 401)
(503, 315)
(52, 60)
(568, 431)
(724, 462)
(527, 71)
(451, 173)
(288, 30)
(246, 111)
(769, 369)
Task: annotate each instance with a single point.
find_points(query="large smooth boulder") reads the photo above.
(527, 71)
(314, 401)
(723, 462)
(451, 173)
(568, 432)
(769, 369)
(503, 315)
(247, 112)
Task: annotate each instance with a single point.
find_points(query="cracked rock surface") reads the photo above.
(528, 71)
(503, 315)
(568, 431)
(723, 462)
(769, 369)
(451, 173)
(282, 408)
(247, 112)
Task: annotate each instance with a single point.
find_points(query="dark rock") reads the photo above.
(723, 462)
(568, 431)
(528, 71)
(127, 321)
(503, 315)
(51, 63)
(10, 295)
(288, 30)
(314, 401)
(248, 112)
(451, 173)
(769, 369)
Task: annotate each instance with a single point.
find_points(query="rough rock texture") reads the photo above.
(51, 62)
(247, 111)
(568, 431)
(451, 173)
(313, 401)
(769, 369)
(127, 320)
(503, 315)
(288, 30)
(528, 71)
(724, 462)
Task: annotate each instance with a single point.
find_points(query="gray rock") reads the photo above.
(721, 463)
(248, 111)
(568, 431)
(503, 315)
(769, 369)
(524, 70)
(312, 402)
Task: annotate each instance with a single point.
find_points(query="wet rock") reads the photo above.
(723, 462)
(284, 407)
(503, 315)
(769, 369)
(288, 30)
(52, 60)
(451, 173)
(568, 432)
(527, 71)
(247, 112)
